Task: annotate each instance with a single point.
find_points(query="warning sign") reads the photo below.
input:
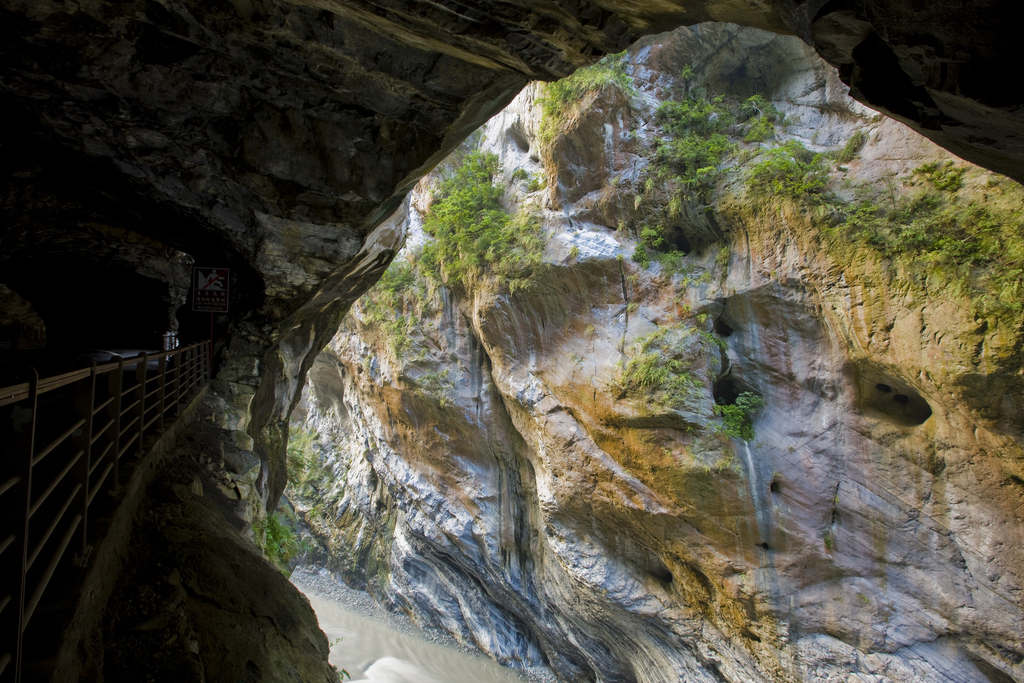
(210, 290)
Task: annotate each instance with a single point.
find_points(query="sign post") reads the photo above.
(210, 289)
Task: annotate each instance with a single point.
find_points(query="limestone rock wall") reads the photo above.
(492, 478)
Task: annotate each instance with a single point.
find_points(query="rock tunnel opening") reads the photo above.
(905, 405)
(518, 137)
(747, 633)
(122, 308)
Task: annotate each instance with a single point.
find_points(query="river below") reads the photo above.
(376, 646)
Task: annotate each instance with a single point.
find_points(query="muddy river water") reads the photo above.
(379, 648)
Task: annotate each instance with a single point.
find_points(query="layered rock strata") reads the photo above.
(493, 471)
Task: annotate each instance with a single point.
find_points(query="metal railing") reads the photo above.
(67, 435)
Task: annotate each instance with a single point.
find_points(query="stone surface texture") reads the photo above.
(275, 137)
(195, 600)
(492, 482)
(20, 326)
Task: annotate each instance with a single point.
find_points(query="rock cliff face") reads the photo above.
(779, 445)
(275, 137)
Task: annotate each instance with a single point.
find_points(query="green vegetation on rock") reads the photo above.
(738, 417)
(763, 117)
(561, 98)
(790, 170)
(654, 371)
(688, 166)
(277, 540)
(395, 303)
(852, 147)
(946, 177)
(437, 386)
(967, 240)
(305, 473)
(474, 235)
(691, 159)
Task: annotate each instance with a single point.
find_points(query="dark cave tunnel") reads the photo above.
(88, 305)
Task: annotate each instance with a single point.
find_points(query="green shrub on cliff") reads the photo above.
(697, 144)
(698, 129)
(277, 540)
(649, 239)
(954, 239)
(473, 234)
(282, 544)
(305, 472)
(762, 117)
(398, 290)
(790, 170)
(738, 417)
(852, 147)
(654, 372)
(947, 177)
(560, 98)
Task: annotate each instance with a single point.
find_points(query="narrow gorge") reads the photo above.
(620, 342)
(737, 396)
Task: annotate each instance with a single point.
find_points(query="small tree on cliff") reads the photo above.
(473, 234)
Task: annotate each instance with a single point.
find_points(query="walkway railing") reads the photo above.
(64, 441)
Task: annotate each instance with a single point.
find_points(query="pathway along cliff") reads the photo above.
(723, 382)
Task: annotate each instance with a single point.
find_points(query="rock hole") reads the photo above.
(722, 328)
(726, 391)
(696, 574)
(774, 487)
(989, 671)
(763, 546)
(662, 574)
(676, 239)
(1014, 479)
(886, 396)
(251, 674)
(162, 49)
(517, 135)
(747, 633)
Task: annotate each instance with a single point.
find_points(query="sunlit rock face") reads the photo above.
(493, 477)
(273, 137)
